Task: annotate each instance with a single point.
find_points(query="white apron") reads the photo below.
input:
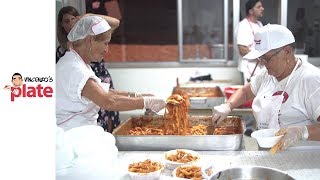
(91, 108)
(266, 108)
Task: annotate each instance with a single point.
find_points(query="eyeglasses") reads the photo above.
(266, 60)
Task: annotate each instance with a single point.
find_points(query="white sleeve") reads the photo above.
(75, 80)
(245, 35)
(313, 103)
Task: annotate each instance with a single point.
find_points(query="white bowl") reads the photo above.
(266, 137)
(204, 176)
(172, 164)
(146, 176)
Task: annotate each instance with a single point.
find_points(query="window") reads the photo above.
(203, 30)
(271, 11)
(304, 22)
(147, 33)
(194, 30)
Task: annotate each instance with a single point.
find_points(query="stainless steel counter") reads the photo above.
(300, 162)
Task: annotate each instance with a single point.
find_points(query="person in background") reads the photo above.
(79, 92)
(244, 35)
(285, 93)
(96, 7)
(67, 17)
(299, 29)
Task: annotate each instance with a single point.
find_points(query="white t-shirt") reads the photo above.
(71, 76)
(302, 95)
(245, 36)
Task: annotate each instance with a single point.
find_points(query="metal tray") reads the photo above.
(205, 102)
(202, 97)
(127, 142)
(251, 172)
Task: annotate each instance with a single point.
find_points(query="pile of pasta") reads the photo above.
(198, 130)
(146, 130)
(189, 172)
(146, 166)
(176, 118)
(181, 157)
(150, 130)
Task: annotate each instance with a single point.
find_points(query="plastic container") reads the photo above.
(266, 137)
(228, 91)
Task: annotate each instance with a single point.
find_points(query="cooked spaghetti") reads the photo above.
(146, 131)
(198, 130)
(176, 115)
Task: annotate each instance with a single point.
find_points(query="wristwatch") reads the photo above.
(132, 94)
(305, 134)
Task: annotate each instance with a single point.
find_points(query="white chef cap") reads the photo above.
(269, 37)
(90, 25)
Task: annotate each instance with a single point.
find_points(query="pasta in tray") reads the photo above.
(176, 120)
(146, 166)
(146, 131)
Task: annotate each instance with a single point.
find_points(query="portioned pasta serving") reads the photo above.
(176, 115)
(146, 166)
(189, 172)
(181, 157)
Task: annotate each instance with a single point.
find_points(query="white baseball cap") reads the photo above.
(90, 25)
(268, 37)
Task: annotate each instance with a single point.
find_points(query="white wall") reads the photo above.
(160, 81)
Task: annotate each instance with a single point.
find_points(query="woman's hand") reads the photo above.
(292, 135)
(153, 103)
(220, 112)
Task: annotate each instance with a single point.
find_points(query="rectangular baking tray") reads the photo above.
(205, 102)
(127, 142)
(202, 97)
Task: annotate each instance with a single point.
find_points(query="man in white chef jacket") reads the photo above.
(244, 35)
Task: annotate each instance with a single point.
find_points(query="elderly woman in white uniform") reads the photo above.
(79, 92)
(285, 94)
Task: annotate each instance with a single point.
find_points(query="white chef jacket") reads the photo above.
(245, 36)
(71, 76)
(302, 104)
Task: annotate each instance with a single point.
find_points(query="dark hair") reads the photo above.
(61, 33)
(293, 46)
(15, 75)
(250, 4)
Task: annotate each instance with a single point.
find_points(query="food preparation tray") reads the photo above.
(202, 97)
(205, 102)
(126, 142)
